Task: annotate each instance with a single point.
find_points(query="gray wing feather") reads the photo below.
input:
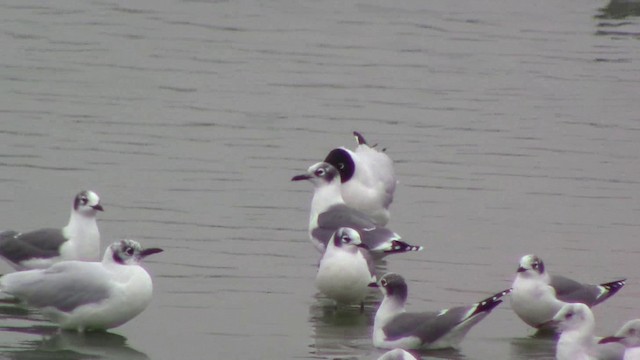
(429, 327)
(43, 243)
(343, 216)
(571, 291)
(64, 286)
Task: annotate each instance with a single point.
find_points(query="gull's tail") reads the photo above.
(359, 138)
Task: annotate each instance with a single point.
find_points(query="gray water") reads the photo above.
(515, 127)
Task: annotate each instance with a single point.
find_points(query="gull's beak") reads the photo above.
(150, 251)
(364, 246)
(301, 177)
(98, 207)
(521, 269)
(610, 339)
(373, 284)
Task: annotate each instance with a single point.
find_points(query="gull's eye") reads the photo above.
(383, 282)
(320, 172)
(340, 166)
(568, 316)
(129, 251)
(346, 239)
(84, 200)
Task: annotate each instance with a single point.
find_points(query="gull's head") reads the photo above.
(531, 265)
(393, 286)
(87, 203)
(573, 317)
(342, 160)
(129, 252)
(629, 333)
(345, 236)
(319, 174)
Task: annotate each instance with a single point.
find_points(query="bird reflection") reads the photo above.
(538, 346)
(619, 9)
(57, 344)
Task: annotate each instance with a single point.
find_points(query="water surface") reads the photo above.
(514, 127)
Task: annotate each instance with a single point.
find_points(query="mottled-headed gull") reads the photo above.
(393, 327)
(39, 249)
(576, 323)
(81, 295)
(397, 354)
(329, 212)
(346, 268)
(538, 296)
(628, 335)
(367, 178)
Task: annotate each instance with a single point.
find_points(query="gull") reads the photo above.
(83, 296)
(329, 212)
(632, 353)
(367, 178)
(397, 354)
(628, 335)
(346, 268)
(577, 342)
(538, 296)
(39, 249)
(393, 327)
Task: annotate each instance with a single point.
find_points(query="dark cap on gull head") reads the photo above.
(343, 162)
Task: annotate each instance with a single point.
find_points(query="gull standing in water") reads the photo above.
(346, 268)
(39, 249)
(393, 327)
(81, 295)
(538, 296)
(367, 178)
(329, 213)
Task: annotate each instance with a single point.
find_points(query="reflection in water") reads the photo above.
(56, 344)
(619, 20)
(620, 9)
(12, 308)
(539, 346)
(343, 332)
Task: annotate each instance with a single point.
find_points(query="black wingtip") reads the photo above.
(491, 302)
(611, 289)
(398, 246)
(359, 138)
